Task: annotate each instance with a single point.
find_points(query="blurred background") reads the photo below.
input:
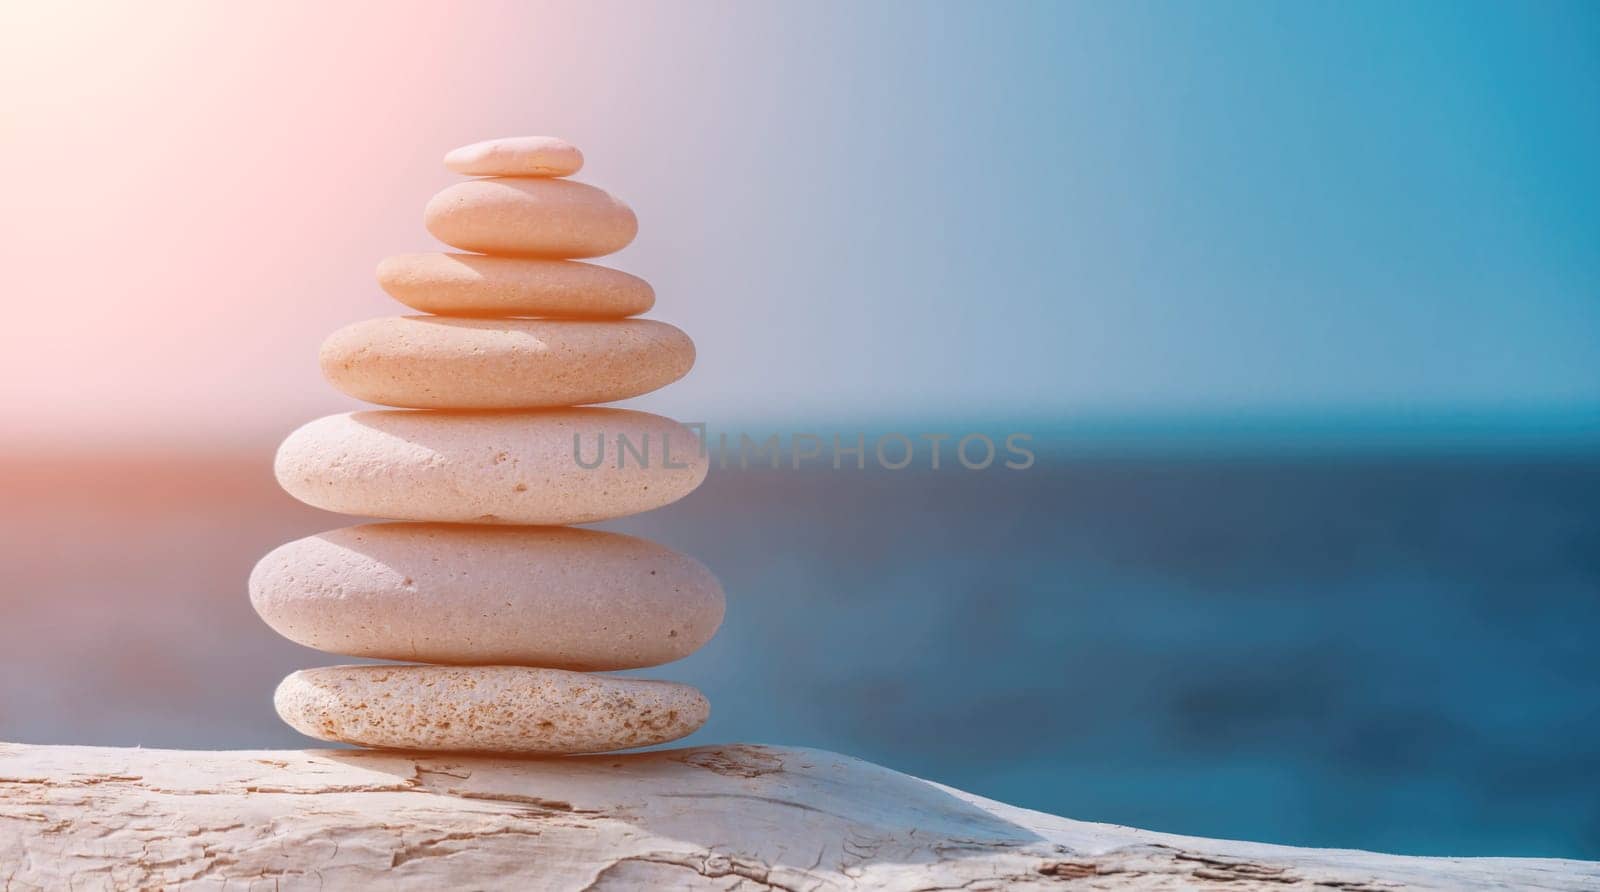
(1300, 303)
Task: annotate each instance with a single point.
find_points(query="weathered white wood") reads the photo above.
(728, 817)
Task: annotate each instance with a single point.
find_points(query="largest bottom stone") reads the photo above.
(491, 709)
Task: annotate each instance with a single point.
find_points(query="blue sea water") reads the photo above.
(1382, 653)
(1363, 649)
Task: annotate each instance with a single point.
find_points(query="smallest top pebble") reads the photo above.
(516, 156)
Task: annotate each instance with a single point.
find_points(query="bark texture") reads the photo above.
(729, 817)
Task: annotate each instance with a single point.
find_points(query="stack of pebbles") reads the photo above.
(482, 464)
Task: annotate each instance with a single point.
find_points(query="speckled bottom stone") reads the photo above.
(490, 709)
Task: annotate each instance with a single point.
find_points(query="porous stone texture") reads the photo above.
(492, 467)
(516, 156)
(430, 362)
(530, 216)
(491, 709)
(708, 818)
(478, 285)
(442, 593)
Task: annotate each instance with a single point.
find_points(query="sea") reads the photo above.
(1391, 649)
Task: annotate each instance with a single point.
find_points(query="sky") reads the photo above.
(910, 209)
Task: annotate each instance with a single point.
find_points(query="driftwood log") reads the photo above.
(729, 817)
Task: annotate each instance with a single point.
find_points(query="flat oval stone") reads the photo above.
(557, 466)
(529, 596)
(479, 285)
(530, 217)
(516, 156)
(490, 709)
(434, 362)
